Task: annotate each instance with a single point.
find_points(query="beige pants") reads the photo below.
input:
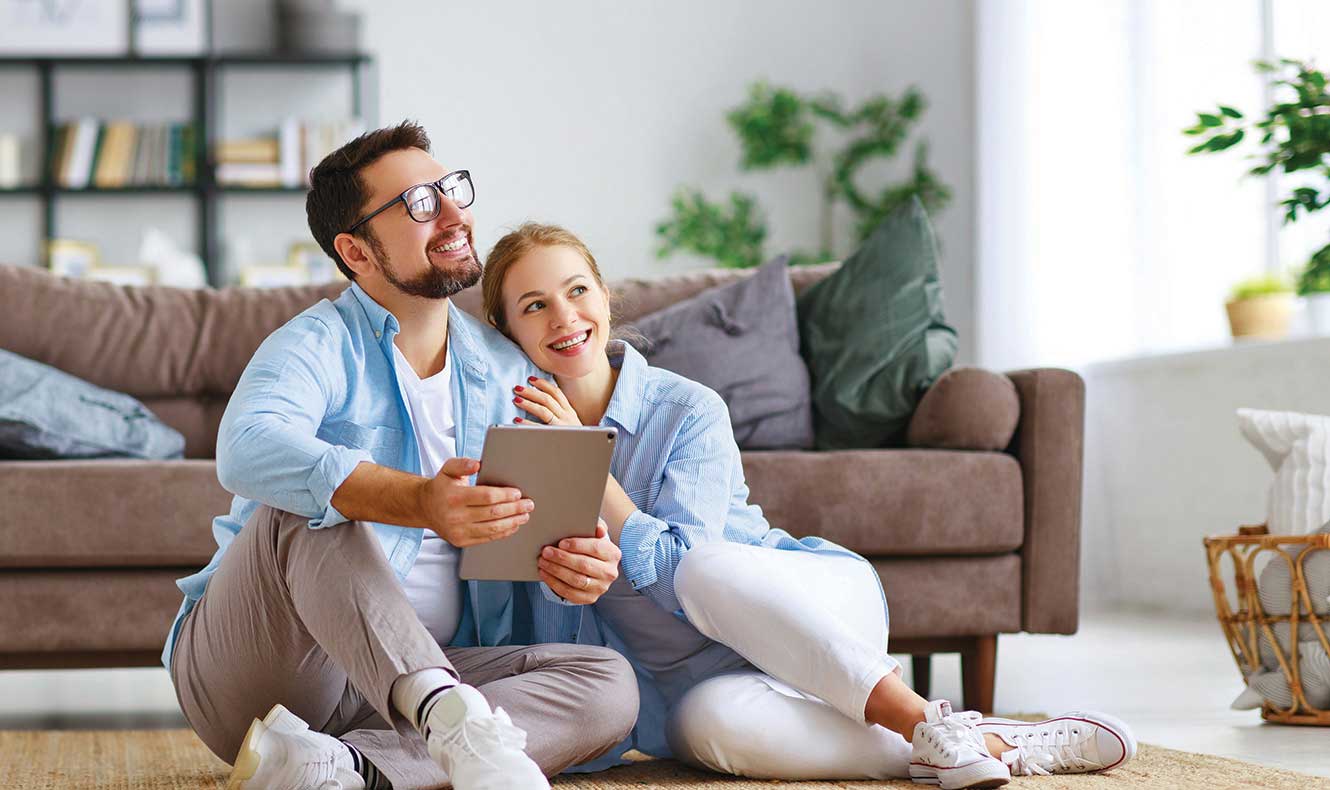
(316, 620)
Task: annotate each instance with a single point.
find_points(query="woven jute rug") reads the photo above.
(177, 760)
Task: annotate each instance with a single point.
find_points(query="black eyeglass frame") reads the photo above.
(438, 187)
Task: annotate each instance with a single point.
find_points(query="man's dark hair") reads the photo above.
(337, 193)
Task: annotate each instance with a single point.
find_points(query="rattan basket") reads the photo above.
(1244, 626)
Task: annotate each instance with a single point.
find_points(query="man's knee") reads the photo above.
(613, 705)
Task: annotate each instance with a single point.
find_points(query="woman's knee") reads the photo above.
(709, 566)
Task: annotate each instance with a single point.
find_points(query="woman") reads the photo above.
(760, 655)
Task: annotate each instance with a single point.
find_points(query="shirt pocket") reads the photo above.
(645, 498)
(384, 443)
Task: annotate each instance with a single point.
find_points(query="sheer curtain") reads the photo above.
(1098, 237)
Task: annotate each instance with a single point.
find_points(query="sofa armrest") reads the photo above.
(1049, 444)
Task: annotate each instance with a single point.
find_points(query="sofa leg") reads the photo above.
(921, 673)
(978, 672)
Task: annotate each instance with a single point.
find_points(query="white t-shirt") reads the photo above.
(432, 586)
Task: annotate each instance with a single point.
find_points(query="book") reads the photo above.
(249, 174)
(256, 150)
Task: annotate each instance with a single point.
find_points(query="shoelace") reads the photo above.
(321, 774)
(497, 731)
(1042, 759)
(957, 732)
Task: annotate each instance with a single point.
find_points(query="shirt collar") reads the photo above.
(461, 338)
(626, 404)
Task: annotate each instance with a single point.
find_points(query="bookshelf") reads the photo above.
(205, 72)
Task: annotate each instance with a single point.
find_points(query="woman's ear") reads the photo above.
(354, 253)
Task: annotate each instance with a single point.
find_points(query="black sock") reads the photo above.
(374, 778)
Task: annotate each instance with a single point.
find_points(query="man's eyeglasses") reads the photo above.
(423, 201)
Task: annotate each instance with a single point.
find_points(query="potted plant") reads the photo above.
(1294, 136)
(1261, 307)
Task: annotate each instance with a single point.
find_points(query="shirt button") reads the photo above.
(378, 334)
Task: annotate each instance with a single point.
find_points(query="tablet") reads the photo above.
(563, 471)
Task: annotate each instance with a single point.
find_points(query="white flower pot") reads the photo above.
(1318, 312)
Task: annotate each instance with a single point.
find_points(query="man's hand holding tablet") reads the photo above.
(467, 515)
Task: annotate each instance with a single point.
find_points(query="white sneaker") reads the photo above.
(479, 748)
(283, 753)
(949, 751)
(1074, 743)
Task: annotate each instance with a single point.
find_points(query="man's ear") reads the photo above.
(355, 253)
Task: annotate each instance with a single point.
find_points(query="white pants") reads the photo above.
(813, 622)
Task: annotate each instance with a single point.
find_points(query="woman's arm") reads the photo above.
(692, 506)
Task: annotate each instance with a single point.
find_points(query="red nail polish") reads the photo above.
(517, 400)
(530, 378)
(519, 389)
(517, 419)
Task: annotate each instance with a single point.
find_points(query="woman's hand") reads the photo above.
(580, 570)
(546, 402)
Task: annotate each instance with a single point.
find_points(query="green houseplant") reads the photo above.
(1261, 307)
(1294, 137)
(776, 127)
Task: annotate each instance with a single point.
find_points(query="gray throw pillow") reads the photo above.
(741, 340)
(46, 413)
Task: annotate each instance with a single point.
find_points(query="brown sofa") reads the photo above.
(975, 535)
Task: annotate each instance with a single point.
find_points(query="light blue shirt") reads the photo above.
(677, 459)
(320, 396)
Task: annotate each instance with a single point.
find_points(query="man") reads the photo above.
(349, 443)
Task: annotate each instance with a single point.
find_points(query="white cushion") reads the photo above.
(1298, 449)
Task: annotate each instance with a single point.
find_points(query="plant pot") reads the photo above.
(1318, 312)
(1261, 316)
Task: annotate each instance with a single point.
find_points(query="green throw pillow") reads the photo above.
(874, 336)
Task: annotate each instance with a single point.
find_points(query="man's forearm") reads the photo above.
(378, 493)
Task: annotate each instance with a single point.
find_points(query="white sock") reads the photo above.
(416, 694)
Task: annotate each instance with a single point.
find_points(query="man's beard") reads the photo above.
(432, 283)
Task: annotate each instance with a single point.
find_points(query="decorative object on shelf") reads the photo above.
(310, 257)
(172, 265)
(776, 127)
(283, 159)
(123, 275)
(69, 258)
(317, 26)
(171, 27)
(1294, 138)
(273, 275)
(10, 160)
(1287, 678)
(1261, 307)
(64, 27)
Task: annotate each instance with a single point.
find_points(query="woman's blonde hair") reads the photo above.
(510, 250)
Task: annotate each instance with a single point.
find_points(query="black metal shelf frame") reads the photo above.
(205, 72)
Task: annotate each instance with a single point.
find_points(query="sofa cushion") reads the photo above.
(874, 335)
(85, 610)
(47, 413)
(145, 341)
(966, 409)
(893, 502)
(88, 514)
(952, 596)
(741, 340)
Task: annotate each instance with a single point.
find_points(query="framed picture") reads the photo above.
(171, 27)
(123, 275)
(273, 276)
(311, 257)
(64, 27)
(67, 258)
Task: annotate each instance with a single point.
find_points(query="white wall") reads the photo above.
(1165, 464)
(589, 114)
